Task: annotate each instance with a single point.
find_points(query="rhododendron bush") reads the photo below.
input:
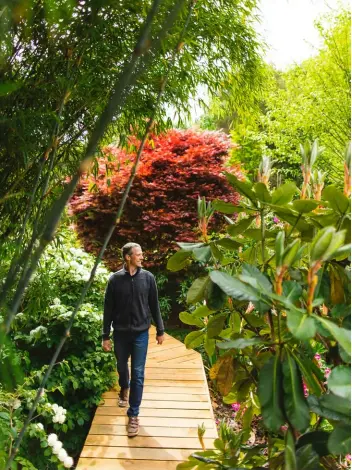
(176, 168)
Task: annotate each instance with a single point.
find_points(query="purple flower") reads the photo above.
(236, 406)
(327, 372)
(276, 220)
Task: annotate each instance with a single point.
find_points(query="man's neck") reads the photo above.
(131, 269)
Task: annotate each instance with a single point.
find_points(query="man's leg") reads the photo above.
(123, 348)
(138, 358)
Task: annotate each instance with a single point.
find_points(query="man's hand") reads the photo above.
(106, 343)
(160, 339)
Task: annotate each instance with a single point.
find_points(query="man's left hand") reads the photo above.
(160, 339)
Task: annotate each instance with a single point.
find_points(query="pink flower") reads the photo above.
(236, 406)
(305, 390)
(284, 428)
(276, 220)
(348, 457)
(317, 357)
(217, 422)
(327, 372)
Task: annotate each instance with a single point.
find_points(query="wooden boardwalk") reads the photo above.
(175, 401)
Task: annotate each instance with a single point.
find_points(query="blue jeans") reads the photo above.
(134, 344)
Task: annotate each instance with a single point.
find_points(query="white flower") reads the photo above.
(57, 447)
(56, 301)
(68, 462)
(39, 426)
(52, 438)
(61, 418)
(19, 314)
(16, 404)
(62, 455)
(55, 419)
(55, 407)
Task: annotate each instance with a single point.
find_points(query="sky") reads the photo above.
(288, 28)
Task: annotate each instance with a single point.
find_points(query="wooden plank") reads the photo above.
(164, 390)
(173, 383)
(136, 453)
(177, 355)
(164, 404)
(148, 441)
(144, 430)
(170, 375)
(183, 422)
(177, 365)
(175, 370)
(110, 400)
(122, 464)
(155, 412)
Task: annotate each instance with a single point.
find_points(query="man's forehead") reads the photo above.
(136, 250)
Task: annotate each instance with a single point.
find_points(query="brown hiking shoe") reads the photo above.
(133, 426)
(123, 397)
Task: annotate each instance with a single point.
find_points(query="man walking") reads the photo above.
(131, 299)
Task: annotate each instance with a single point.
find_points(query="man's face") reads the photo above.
(136, 257)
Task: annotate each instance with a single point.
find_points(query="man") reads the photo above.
(131, 299)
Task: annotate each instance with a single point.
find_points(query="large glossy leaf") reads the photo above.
(270, 394)
(301, 325)
(330, 407)
(209, 346)
(291, 291)
(303, 206)
(202, 254)
(256, 234)
(339, 381)
(215, 296)
(225, 207)
(228, 244)
(342, 336)
(178, 260)
(340, 440)
(296, 407)
(215, 325)
(202, 311)
(226, 375)
(284, 194)
(234, 287)
(290, 451)
(239, 343)
(190, 319)
(245, 189)
(309, 376)
(307, 458)
(262, 192)
(240, 227)
(336, 199)
(197, 290)
(250, 273)
(194, 339)
(189, 246)
(317, 439)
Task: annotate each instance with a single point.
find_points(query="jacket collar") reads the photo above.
(126, 271)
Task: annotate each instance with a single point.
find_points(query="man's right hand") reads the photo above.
(106, 344)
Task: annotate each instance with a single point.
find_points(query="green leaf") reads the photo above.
(215, 297)
(202, 311)
(209, 346)
(240, 227)
(336, 199)
(189, 246)
(202, 254)
(194, 339)
(339, 381)
(292, 291)
(260, 280)
(317, 439)
(310, 378)
(228, 244)
(234, 287)
(307, 458)
(270, 393)
(340, 440)
(256, 234)
(240, 343)
(284, 194)
(262, 192)
(301, 325)
(197, 290)
(8, 87)
(215, 325)
(178, 260)
(296, 407)
(245, 189)
(290, 453)
(217, 255)
(341, 335)
(303, 206)
(331, 407)
(224, 207)
(190, 319)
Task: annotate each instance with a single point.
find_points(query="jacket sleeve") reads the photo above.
(154, 307)
(108, 310)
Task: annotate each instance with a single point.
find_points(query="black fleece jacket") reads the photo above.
(130, 302)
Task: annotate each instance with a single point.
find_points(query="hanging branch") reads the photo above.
(103, 248)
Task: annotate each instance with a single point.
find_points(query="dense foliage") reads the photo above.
(176, 169)
(307, 101)
(275, 321)
(82, 372)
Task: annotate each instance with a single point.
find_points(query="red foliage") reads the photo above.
(176, 168)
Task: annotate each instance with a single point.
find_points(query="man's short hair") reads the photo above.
(127, 249)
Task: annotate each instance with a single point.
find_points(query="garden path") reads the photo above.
(175, 401)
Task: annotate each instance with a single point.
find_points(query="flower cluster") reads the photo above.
(58, 450)
(59, 413)
(38, 332)
(236, 407)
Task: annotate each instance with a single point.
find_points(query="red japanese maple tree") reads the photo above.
(175, 169)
